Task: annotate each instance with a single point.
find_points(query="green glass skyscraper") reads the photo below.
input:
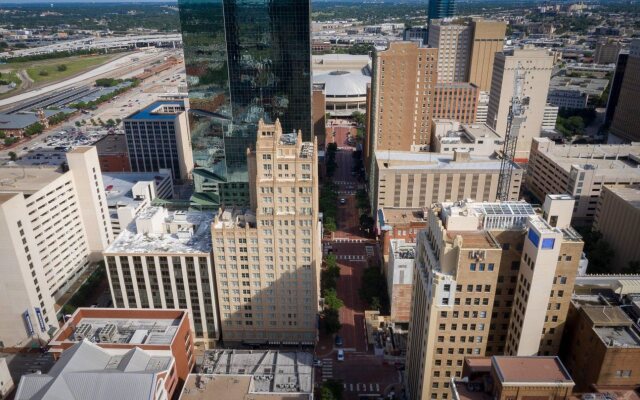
(245, 60)
(441, 9)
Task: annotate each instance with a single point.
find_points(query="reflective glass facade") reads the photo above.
(245, 60)
(441, 9)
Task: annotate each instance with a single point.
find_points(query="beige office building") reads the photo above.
(453, 41)
(618, 220)
(490, 278)
(163, 260)
(416, 180)
(581, 171)
(536, 66)
(53, 224)
(487, 40)
(401, 98)
(625, 125)
(267, 258)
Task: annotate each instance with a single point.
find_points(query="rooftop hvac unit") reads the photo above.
(82, 332)
(107, 333)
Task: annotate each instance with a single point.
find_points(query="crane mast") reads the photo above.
(515, 118)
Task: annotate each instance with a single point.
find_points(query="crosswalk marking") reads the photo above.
(362, 387)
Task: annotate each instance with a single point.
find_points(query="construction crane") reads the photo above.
(515, 118)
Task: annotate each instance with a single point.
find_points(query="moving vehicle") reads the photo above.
(340, 355)
(343, 201)
(339, 341)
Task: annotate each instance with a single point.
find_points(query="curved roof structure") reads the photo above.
(343, 83)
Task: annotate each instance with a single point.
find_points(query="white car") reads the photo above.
(340, 355)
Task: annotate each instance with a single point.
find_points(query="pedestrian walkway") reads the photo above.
(327, 369)
(362, 387)
(347, 257)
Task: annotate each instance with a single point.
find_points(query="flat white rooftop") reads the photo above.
(408, 160)
(179, 233)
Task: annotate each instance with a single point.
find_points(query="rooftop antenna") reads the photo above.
(515, 118)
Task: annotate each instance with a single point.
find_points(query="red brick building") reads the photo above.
(457, 101)
(153, 330)
(112, 154)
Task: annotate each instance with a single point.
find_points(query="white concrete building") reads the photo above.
(163, 260)
(130, 192)
(478, 139)
(536, 66)
(6, 382)
(53, 224)
(399, 274)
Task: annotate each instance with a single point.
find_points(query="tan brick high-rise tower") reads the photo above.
(267, 258)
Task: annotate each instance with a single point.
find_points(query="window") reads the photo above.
(472, 266)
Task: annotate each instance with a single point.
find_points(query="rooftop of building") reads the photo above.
(112, 144)
(27, 180)
(158, 111)
(120, 326)
(618, 336)
(403, 250)
(87, 371)
(118, 185)
(474, 240)
(619, 160)
(21, 120)
(401, 216)
(630, 194)
(255, 374)
(466, 133)
(538, 369)
(407, 160)
(592, 86)
(158, 230)
(235, 217)
(455, 85)
(344, 84)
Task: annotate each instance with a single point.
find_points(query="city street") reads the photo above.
(361, 373)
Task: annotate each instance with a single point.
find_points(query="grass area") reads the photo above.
(51, 70)
(10, 77)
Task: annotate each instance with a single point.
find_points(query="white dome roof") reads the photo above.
(343, 83)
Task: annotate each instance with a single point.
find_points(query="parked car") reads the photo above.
(339, 341)
(317, 363)
(343, 201)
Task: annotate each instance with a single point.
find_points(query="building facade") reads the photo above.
(536, 66)
(126, 329)
(163, 260)
(267, 258)
(401, 98)
(581, 171)
(487, 40)
(469, 262)
(441, 9)
(113, 154)
(453, 42)
(607, 52)
(244, 61)
(617, 219)
(158, 137)
(517, 378)
(625, 124)
(616, 86)
(417, 180)
(53, 224)
(399, 276)
(457, 101)
(614, 347)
